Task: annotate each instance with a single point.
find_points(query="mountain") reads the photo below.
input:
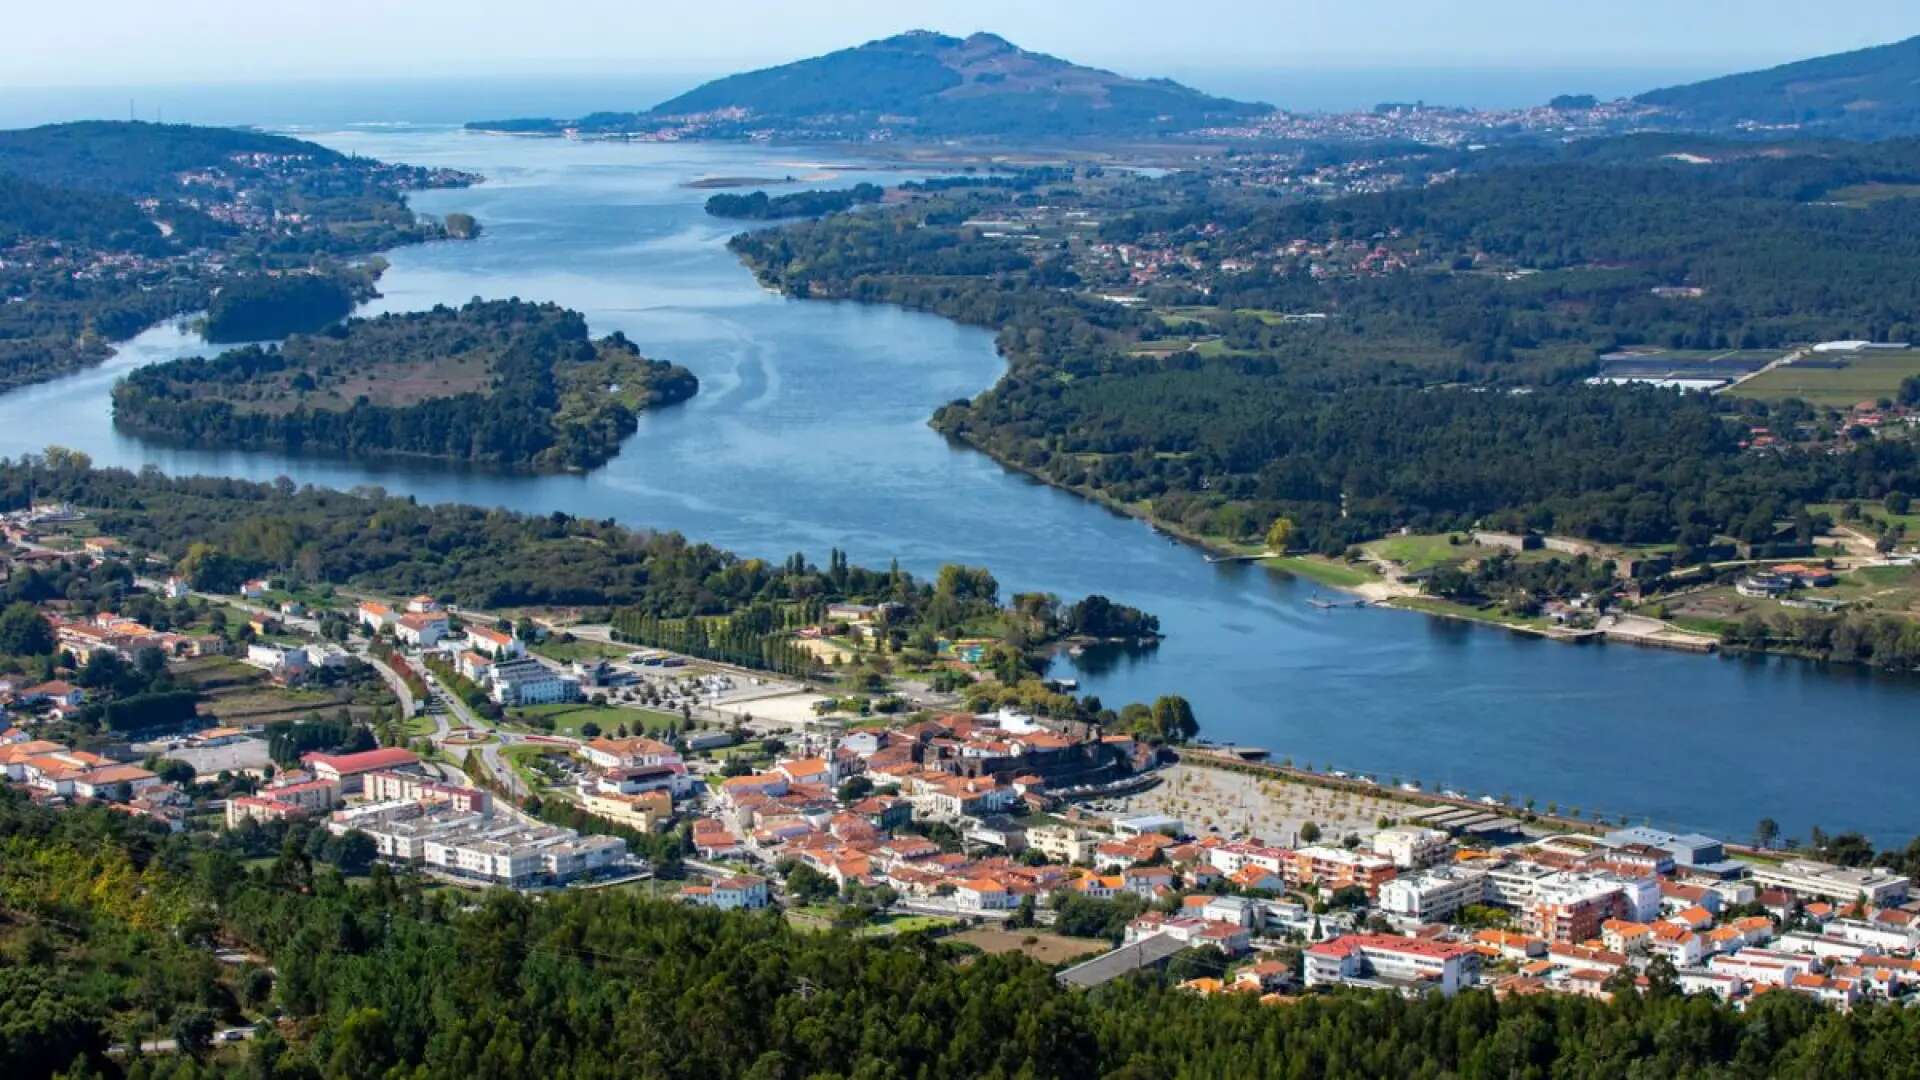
(921, 83)
(1869, 93)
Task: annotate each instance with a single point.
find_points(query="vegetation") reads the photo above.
(1867, 93)
(258, 308)
(760, 207)
(503, 382)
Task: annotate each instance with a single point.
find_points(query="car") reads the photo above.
(233, 1034)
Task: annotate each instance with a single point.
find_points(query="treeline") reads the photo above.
(759, 206)
(753, 638)
(529, 387)
(385, 978)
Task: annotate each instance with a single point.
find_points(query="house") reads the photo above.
(422, 605)
(620, 753)
(58, 693)
(254, 589)
(473, 666)
(495, 644)
(421, 630)
(983, 894)
(738, 892)
(113, 783)
(374, 615)
(175, 588)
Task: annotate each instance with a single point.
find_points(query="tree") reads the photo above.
(1173, 718)
(855, 789)
(1279, 534)
(1765, 833)
(1309, 832)
(810, 886)
(363, 1046)
(24, 631)
(192, 1029)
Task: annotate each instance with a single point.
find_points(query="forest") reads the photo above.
(759, 206)
(498, 382)
(110, 927)
(1436, 396)
(260, 308)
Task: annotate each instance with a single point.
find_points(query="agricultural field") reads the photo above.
(1857, 377)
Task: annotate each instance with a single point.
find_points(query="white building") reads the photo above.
(494, 644)
(1409, 965)
(421, 629)
(529, 682)
(741, 891)
(1433, 895)
(1880, 886)
(1412, 846)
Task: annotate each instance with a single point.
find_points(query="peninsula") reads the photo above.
(502, 382)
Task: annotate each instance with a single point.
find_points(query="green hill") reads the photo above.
(922, 83)
(1871, 93)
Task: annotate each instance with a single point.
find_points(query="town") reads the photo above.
(478, 751)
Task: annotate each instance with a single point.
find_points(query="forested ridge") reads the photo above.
(109, 929)
(1436, 396)
(503, 382)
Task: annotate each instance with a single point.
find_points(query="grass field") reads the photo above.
(1864, 195)
(1039, 945)
(1868, 376)
(567, 719)
(1339, 575)
(1874, 519)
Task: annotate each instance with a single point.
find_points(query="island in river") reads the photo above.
(500, 382)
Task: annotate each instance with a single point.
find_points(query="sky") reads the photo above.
(145, 42)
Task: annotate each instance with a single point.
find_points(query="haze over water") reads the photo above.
(810, 432)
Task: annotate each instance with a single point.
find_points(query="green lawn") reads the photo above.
(1867, 376)
(1339, 575)
(1425, 551)
(568, 718)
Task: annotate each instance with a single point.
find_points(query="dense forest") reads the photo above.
(502, 382)
(1437, 396)
(109, 932)
(759, 206)
(260, 308)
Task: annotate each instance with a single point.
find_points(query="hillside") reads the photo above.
(499, 382)
(920, 83)
(1870, 93)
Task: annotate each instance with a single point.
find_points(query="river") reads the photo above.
(810, 432)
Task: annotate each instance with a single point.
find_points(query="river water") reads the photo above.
(810, 432)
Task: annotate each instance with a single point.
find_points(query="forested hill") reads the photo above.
(139, 158)
(503, 382)
(1869, 93)
(922, 83)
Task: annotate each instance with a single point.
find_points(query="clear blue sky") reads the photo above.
(109, 42)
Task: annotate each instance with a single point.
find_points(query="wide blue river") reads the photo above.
(810, 432)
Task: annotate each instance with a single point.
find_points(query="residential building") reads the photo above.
(421, 630)
(1333, 868)
(1410, 965)
(1412, 846)
(1433, 895)
(608, 753)
(740, 891)
(494, 644)
(388, 786)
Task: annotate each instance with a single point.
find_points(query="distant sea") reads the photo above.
(336, 103)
